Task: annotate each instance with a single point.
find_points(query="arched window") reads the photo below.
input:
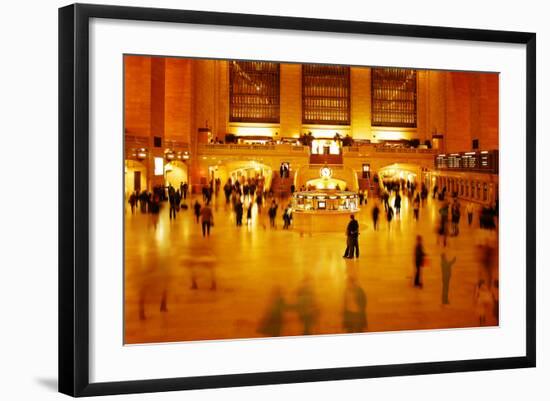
(254, 93)
(325, 94)
(393, 94)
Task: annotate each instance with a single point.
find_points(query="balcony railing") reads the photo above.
(176, 144)
(374, 148)
(137, 141)
(326, 159)
(232, 148)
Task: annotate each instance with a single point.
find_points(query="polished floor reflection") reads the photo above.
(257, 280)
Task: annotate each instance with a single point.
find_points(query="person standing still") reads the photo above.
(352, 233)
(172, 201)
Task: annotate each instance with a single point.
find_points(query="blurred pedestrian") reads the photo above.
(389, 216)
(419, 259)
(355, 304)
(249, 213)
(306, 306)
(197, 209)
(271, 324)
(239, 210)
(287, 217)
(272, 212)
(446, 267)
(375, 213)
(470, 212)
(483, 301)
(207, 220)
(416, 206)
(397, 204)
(443, 230)
(386, 198)
(455, 216)
(132, 201)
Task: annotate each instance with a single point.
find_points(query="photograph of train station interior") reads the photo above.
(268, 199)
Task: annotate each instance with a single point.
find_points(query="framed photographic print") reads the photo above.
(250, 199)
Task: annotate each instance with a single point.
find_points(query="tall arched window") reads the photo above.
(393, 92)
(254, 91)
(325, 94)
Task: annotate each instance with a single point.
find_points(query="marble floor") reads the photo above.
(255, 280)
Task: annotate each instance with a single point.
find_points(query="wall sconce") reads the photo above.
(169, 154)
(141, 154)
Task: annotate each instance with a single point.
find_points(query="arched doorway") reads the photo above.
(176, 172)
(400, 171)
(135, 176)
(242, 170)
(400, 174)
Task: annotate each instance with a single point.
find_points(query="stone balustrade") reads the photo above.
(233, 148)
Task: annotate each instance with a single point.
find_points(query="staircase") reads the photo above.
(369, 185)
(281, 186)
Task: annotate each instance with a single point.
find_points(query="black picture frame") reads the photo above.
(74, 193)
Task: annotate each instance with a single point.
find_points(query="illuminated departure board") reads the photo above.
(484, 161)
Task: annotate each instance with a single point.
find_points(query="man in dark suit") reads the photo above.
(352, 233)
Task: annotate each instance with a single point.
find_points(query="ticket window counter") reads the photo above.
(347, 204)
(325, 202)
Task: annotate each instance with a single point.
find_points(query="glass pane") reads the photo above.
(393, 92)
(254, 91)
(326, 94)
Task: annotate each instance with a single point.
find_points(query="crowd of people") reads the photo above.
(448, 225)
(240, 194)
(243, 195)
